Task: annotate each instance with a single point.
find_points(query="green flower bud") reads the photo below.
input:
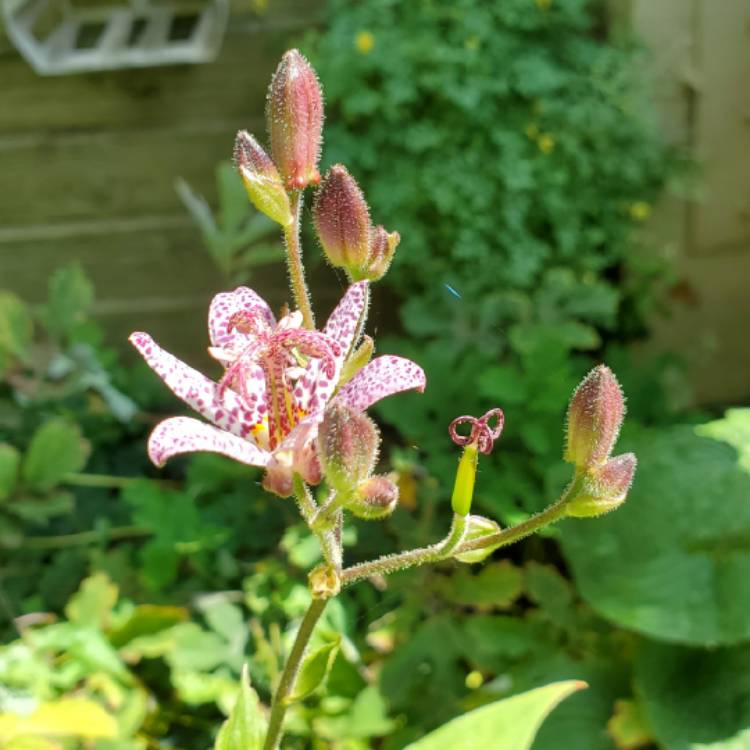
(261, 179)
(605, 488)
(294, 113)
(375, 498)
(348, 444)
(383, 246)
(478, 527)
(342, 221)
(595, 415)
(463, 488)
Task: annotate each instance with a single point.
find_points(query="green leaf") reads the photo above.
(628, 726)
(145, 620)
(16, 329)
(496, 585)
(314, 670)
(68, 301)
(695, 698)
(10, 460)
(674, 561)
(509, 724)
(57, 448)
(245, 729)
(92, 604)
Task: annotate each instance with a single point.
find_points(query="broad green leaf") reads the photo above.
(39, 510)
(10, 460)
(68, 301)
(509, 724)
(92, 604)
(496, 585)
(674, 561)
(16, 329)
(695, 699)
(314, 670)
(245, 729)
(57, 448)
(68, 717)
(145, 620)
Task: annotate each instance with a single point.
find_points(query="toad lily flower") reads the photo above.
(277, 381)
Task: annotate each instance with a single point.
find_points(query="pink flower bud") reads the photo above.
(595, 415)
(375, 498)
(261, 179)
(342, 221)
(605, 488)
(383, 246)
(348, 444)
(295, 121)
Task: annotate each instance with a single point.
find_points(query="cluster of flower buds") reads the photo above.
(346, 234)
(348, 443)
(295, 126)
(595, 415)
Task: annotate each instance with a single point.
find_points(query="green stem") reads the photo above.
(310, 513)
(434, 553)
(294, 261)
(100, 480)
(289, 675)
(83, 538)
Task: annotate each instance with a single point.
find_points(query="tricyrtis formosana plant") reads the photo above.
(293, 398)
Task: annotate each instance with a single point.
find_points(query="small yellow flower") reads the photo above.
(474, 680)
(639, 211)
(364, 42)
(532, 131)
(546, 143)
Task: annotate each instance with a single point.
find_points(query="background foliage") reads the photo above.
(511, 145)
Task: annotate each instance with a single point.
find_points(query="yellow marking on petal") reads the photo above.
(364, 42)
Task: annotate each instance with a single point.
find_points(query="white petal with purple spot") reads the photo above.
(224, 306)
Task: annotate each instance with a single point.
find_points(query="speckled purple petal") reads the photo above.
(382, 377)
(224, 306)
(178, 435)
(226, 410)
(344, 320)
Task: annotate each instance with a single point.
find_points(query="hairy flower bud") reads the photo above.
(605, 488)
(261, 179)
(375, 498)
(478, 527)
(295, 120)
(348, 444)
(383, 246)
(595, 415)
(342, 221)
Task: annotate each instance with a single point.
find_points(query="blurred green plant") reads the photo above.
(513, 147)
(236, 236)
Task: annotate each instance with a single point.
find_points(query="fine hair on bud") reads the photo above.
(604, 489)
(383, 246)
(294, 112)
(375, 498)
(594, 418)
(342, 221)
(348, 443)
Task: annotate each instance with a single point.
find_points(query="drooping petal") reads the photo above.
(382, 377)
(226, 305)
(344, 321)
(178, 435)
(223, 407)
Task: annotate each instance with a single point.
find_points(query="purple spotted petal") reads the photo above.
(224, 306)
(344, 320)
(178, 435)
(382, 377)
(226, 410)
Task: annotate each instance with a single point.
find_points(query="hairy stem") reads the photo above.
(294, 261)
(289, 675)
(83, 538)
(436, 552)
